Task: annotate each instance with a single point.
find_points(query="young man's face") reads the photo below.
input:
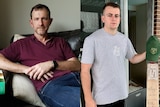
(40, 21)
(111, 18)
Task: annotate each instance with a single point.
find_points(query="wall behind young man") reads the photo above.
(15, 15)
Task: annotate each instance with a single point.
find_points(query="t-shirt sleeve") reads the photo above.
(130, 51)
(68, 52)
(88, 51)
(12, 51)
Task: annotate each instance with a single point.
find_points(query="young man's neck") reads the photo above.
(111, 31)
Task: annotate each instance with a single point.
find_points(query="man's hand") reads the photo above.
(47, 76)
(40, 71)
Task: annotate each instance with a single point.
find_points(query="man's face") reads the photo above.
(111, 18)
(40, 21)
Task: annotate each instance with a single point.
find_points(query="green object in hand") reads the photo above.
(152, 49)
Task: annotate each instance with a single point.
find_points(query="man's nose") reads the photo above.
(40, 22)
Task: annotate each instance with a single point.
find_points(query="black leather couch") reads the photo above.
(74, 39)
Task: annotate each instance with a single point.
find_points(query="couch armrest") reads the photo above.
(8, 82)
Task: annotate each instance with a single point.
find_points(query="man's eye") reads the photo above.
(109, 15)
(45, 18)
(116, 16)
(35, 19)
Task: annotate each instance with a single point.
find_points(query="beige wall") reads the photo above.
(15, 16)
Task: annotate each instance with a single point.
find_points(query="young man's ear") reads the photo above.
(102, 18)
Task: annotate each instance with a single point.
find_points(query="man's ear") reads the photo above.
(51, 19)
(102, 18)
(31, 23)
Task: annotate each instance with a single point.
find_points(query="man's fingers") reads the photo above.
(50, 74)
(47, 76)
(32, 73)
(42, 79)
(38, 74)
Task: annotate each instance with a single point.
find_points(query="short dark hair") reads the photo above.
(112, 4)
(38, 7)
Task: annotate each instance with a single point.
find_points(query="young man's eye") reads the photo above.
(109, 15)
(116, 16)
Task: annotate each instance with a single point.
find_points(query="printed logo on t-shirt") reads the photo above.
(116, 51)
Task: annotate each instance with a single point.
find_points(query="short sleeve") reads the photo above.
(88, 51)
(130, 50)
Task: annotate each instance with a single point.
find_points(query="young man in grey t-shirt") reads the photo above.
(104, 54)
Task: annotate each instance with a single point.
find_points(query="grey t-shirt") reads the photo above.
(107, 54)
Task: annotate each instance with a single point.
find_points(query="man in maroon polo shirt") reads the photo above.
(48, 61)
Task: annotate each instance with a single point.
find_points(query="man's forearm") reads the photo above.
(72, 65)
(6, 64)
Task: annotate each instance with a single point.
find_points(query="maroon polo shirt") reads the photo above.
(29, 51)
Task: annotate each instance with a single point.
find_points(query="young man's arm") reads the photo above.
(86, 85)
(138, 58)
